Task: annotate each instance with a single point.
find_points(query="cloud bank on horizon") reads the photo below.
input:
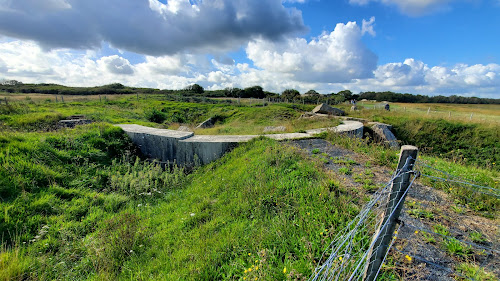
(218, 44)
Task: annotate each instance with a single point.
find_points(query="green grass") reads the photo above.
(465, 195)
(477, 237)
(457, 139)
(456, 247)
(78, 204)
(475, 272)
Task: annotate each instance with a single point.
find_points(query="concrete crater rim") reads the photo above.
(347, 126)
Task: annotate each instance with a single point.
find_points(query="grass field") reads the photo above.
(81, 203)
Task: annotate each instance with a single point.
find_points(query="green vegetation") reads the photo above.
(477, 237)
(470, 142)
(475, 272)
(441, 229)
(81, 203)
(409, 98)
(455, 247)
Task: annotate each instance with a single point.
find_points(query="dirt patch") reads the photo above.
(436, 235)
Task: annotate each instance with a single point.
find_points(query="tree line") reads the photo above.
(195, 90)
(409, 98)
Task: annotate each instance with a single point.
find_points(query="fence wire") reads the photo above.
(447, 177)
(349, 253)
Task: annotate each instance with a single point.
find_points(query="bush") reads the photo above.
(154, 115)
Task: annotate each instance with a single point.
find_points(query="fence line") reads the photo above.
(349, 251)
(451, 177)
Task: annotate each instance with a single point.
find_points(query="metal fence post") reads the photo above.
(399, 186)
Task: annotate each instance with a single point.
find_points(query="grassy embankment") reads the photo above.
(163, 112)
(77, 204)
(473, 142)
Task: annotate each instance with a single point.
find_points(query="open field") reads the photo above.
(82, 204)
(481, 113)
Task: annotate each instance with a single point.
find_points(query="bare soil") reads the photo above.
(420, 252)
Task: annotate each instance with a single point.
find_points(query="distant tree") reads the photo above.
(233, 92)
(253, 92)
(290, 94)
(312, 93)
(346, 93)
(195, 88)
(11, 83)
(114, 86)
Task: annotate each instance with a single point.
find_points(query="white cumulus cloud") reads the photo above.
(116, 65)
(339, 56)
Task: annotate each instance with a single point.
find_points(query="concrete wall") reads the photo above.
(186, 149)
(156, 143)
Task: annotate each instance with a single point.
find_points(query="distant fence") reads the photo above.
(359, 251)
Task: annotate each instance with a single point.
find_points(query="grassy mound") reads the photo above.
(77, 205)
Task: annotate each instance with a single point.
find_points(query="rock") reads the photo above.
(326, 109)
(382, 133)
(209, 123)
(184, 129)
(72, 123)
(270, 129)
(307, 115)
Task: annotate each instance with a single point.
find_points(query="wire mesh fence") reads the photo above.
(350, 254)
(452, 252)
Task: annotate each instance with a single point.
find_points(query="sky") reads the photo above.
(429, 47)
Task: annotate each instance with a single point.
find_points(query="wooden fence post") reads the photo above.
(399, 186)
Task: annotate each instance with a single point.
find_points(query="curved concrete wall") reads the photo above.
(186, 149)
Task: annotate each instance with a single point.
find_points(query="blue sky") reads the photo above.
(417, 46)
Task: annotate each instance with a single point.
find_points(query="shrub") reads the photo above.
(154, 115)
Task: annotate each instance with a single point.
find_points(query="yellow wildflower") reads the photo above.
(408, 258)
(246, 270)
(249, 254)
(250, 270)
(256, 268)
(244, 278)
(416, 231)
(284, 270)
(340, 258)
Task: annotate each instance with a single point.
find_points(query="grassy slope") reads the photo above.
(158, 111)
(263, 205)
(76, 204)
(458, 139)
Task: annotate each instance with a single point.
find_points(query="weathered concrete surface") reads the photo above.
(350, 128)
(186, 149)
(382, 133)
(201, 150)
(156, 143)
(326, 109)
(209, 123)
(271, 129)
(71, 123)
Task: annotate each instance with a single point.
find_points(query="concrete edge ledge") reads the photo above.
(187, 149)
